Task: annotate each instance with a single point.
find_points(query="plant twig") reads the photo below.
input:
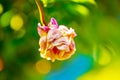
(40, 12)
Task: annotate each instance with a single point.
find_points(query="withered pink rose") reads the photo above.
(56, 42)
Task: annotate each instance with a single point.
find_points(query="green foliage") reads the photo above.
(95, 23)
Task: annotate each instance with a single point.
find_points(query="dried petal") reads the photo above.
(53, 34)
(53, 23)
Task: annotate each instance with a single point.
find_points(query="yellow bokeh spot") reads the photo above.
(1, 8)
(43, 66)
(44, 2)
(83, 1)
(16, 22)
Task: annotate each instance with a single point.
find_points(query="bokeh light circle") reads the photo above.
(43, 66)
(16, 22)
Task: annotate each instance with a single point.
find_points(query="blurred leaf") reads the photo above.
(47, 2)
(78, 9)
(84, 1)
(5, 18)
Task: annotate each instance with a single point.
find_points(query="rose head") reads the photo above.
(56, 42)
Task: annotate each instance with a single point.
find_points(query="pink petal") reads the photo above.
(42, 30)
(45, 28)
(61, 41)
(53, 23)
(67, 31)
(63, 28)
(53, 34)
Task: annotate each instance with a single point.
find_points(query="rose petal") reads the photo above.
(41, 32)
(53, 23)
(53, 34)
(45, 28)
(63, 28)
(60, 41)
(42, 42)
(64, 47)
(71, 32)
(72, 45)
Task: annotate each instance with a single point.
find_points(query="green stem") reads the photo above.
(41, 12)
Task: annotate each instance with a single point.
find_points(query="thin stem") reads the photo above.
(41, 12)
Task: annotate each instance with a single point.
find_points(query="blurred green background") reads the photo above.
(96, 22)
